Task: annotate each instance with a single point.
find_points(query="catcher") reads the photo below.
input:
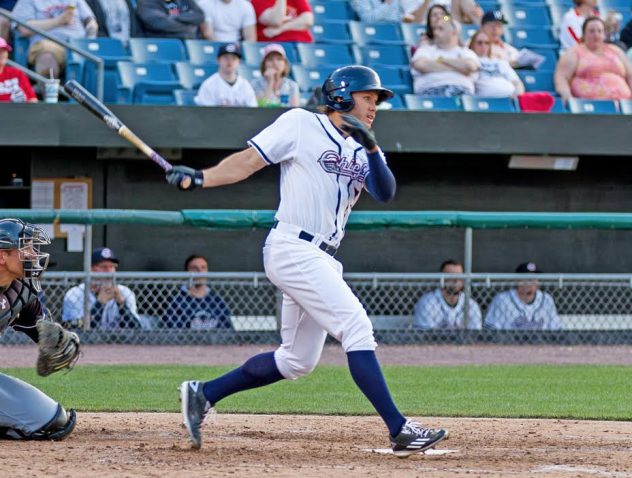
(26, 413)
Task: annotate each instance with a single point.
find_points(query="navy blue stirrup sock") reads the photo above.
(367, 374)
(258, 371)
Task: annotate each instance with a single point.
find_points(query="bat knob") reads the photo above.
(186, 182)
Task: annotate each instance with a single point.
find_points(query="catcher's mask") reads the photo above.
(339, 86)
(28, 240)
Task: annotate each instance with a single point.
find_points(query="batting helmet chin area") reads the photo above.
(341, 83)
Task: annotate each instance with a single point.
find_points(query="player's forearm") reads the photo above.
(380, 181)
(233, 169)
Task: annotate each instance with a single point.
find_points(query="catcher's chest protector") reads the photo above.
(13, 299)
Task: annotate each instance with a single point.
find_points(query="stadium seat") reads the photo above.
(550, 56)
(527, 3)
(192, 76)
(253, 52)
(395, 103)
(318, 55)
(149, 50)
(376, 33)
(557, 12)
(558, 106)
(147, 83)
(400, 82)
(202, 52)
(331, 32)
(537, 80)
(20, 48)
(86, 72)
(587, 106)
(524, 16)
(495, 105)
(249, 72)
(328, 11)
(487, 5)
(185, 97)
(432, 103)
(625, 106)
(411, 32)
(308, 78)
(531, 37)
(616, 5)
(382, 55)
(467, 32)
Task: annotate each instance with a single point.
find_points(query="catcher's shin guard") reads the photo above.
(58, 428)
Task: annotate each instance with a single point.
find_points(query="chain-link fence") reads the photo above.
(242, 308)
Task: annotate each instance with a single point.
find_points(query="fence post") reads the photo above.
(467, 266)
(87, 263)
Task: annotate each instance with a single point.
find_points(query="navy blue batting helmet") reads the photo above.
(341, 83)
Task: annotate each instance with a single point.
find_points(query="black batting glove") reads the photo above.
(359, 131)
(178, 174)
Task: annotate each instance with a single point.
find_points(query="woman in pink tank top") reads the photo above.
(594, 69)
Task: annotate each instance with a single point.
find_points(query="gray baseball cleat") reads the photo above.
(195, 407)
(415, 439)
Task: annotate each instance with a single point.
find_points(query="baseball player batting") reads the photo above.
(326, 160)
(26, 413)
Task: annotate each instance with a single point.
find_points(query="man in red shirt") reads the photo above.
(283, 20)
(14, 85)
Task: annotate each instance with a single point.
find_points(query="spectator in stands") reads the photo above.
(524, 307)
(625, 36)
(274, 88)
(444, 308)
(229, 20)
(117, 19)
(197, 306)
(445, 68)
(5, 23)
(112, 306)
(436, 13)
(181, 19)
(14, 85)
(390, 11)
(226, 88)
(463, 11)
(496, 78)
(284, 20)
(63, 19)
(493, 24)
(571, 26)
(466, 11)
(593, 68)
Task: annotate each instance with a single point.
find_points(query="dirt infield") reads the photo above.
(153, 445)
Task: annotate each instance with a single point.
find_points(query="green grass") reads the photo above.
(582, 392)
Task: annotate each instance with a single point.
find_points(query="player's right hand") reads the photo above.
(178, 173)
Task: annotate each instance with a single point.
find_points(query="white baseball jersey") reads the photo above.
(433, 312)
(571, 28)
(508, 312)
(215, 91)
(322, 173)
(228, 19)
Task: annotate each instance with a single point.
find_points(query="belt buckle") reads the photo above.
(329, 249)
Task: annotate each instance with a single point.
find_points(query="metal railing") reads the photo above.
(99, 61)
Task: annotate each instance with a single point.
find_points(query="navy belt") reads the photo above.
(306, 236)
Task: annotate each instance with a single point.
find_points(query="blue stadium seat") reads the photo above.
(558, 106)
(395, 79)
(328, 11)
(376, 33)
(20, 48)
(395, 103)
(411, 32)
(432, 103)
(587, 106)
(527, 3)
(558, 11)
(192, 76)
(331, 32)
(185, 97)
(625, 106)
(249, 72)
(488, 5)
(147, 83)
(202, 52)
(550, 56)
(467, 32)
(560, 3)
(86, 72)
(531, 37)
(382, 55)
(523, 16)
(317, 55)
(537, 80)
(253, 52)
(496, 105)
(308, 78)
(616, 5)
(149, 50)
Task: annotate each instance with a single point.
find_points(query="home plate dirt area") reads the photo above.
(154, 445)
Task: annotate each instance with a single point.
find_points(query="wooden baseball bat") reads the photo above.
(98, 109)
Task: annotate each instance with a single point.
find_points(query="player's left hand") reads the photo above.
(359, 131)
(178, 173)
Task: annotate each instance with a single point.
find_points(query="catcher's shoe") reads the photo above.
(415, 439)
(195, 407)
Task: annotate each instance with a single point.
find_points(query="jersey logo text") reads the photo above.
(332, 163)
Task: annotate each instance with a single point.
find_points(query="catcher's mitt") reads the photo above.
(58, 348)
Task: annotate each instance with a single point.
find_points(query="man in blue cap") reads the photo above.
(112, 306)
